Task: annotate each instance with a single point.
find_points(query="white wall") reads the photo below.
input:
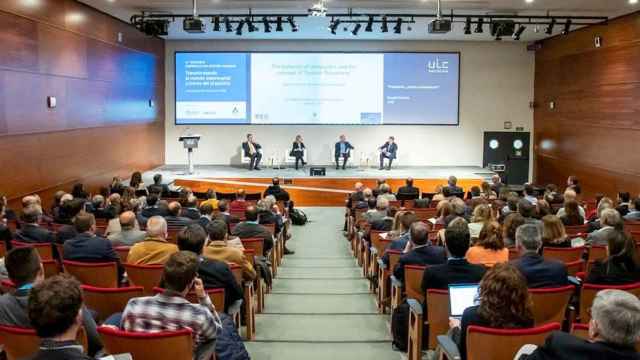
(496, 86)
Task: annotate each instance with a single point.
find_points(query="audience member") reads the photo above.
(190, 210)
(30, 231)
(406, 220)
(452, 186)
(408, 191)
(634, 211)
(489, 249)
(55, 312)
(419, 251)
(212, 199)
(610, 220)
(158, 187)
(538, 271)
(276, 191)
(380, 212)
(385, 193)
(98, 207)
(481, 215)
(530, 194)
(154, 249)
(594, 220)
(239, 204)
(614, 331)
(218, 248)
(571, 215)
(554, 233)
(624, 202)
(174, 218)
(215, 273)
(206, 215)
(496, 183)
(543, 209)
(569, 195)
(574, 184)
(621, 265)
(152, 209)
(64, 215)
(528, 212)
(128, 234)
(443, 210)
(71, 209)
(488, 192)
(86, 246)
(505, 303)
(224, 214)
(250, 228)
(171, 311)
(137, 184)
(552, 195)
(511, 224)
(5, 233)
(266, 214)
(510, 207)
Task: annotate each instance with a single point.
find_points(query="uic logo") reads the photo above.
(438, 66)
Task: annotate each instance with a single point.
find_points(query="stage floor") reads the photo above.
(306, 190)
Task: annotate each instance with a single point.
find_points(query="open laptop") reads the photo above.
(461, 296)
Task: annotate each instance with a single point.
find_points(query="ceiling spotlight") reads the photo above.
(279, 23)
(478, 29)
(356, 29)
(227, 24)
(549, 29)
(216, 23)
(467, 26)
(398, 28)
(239, 28)
(250, 25)
(369, 27)
(518, 33)
(294, 27)
(536, 29)
(267, 26)
(334, 26)
(319, 9)
(385, 26)
(567, 27)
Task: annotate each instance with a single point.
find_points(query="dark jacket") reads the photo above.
(541, 273)
(65, 233)
(247, 229)
(162, 189)
(397, 244)
(56, 350)
(408, 192)
(295, 147)
(216, 274)
(563, 346)
(279, 193)
(455, 271)
(190, 213)
(424, 255)
(33, 233)
(348, 148)
(91, 248)
(392, 149)
(245, 148)
(151, 211)
(614, 271)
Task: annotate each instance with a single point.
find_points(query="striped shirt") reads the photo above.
(169, 311)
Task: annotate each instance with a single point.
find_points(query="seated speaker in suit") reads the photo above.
(613, 332)
(408, 192)
(253, 151)
(388, 151)
(343, 150)
(31, 231)
(297, 151)
(540, 273)
(419, 251)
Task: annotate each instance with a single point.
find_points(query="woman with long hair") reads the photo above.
(504, 303)
(443, 209)
(511, 223)
(489, 249)
(553, 232)
(481, 215)
(621, 265)
(572, 216)
(487, 192)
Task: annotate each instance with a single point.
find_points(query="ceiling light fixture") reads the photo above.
(385, 25)
(279, 24)
(467, 26)
(567, 27)
(291, 21)
(398, 28)
(518, 33)
(479, 25)
(266, 24)
(216, 23)
(549, 29)
(369, 27)
(356, 29)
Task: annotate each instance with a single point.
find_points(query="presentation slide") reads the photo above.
(317, 88)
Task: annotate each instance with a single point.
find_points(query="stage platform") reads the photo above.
(306, 190)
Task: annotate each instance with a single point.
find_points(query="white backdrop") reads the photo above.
(496, 85)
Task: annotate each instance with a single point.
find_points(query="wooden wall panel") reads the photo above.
(103, 124)
(594, 129)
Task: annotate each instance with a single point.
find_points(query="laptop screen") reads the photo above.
(462, 297)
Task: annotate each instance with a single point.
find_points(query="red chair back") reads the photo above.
(589, 291)
(123, 253)
(574, 267)
(95, 274)
(490, 344)
(108, 301)
(413, 281)
(3, 249)
(376, 240)
(255, 244)
(236, 270)
(632, 226)
(175, 345)
(563, 254)
(44, 249)
(437, 315)
(394, 257)
(550, 304)
(21, 343)
(51, 268)
(597, 252)
(147, 276)
(424, 214)
(575, 230)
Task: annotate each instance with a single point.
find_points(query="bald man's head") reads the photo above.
(127, 220)
(174, 208)
(157, 226)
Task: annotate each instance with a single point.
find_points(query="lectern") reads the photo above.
(189, 142)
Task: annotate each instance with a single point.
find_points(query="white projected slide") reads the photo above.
(318, 89)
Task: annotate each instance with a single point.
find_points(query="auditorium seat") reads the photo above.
(123, 253)
(589, 291)
(95, 274)
(384, 274)
(576, 230)
(249, 305)
(108, 301)
(436, 321)
(45, 250)
(175, 345)
(550, 304)
(412, 285)
(147, 276)
(632, 226)
(485, 343)
(3, 249)
(597, 252)
(565, 255)
(21, 343)
(574, 267)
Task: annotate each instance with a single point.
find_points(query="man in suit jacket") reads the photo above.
(31, 231)
(87, 246)
(388, 151)
(613, 332)
(190, 209)
(539, 272)
(457, 269)
(452, 186)
(128, 234)
(218, 249)
(158, 187)
(253, 151)
(274, 189)
(250, 228)
(407, 219)
(154, 249)
(634, 211)
(174, 219)
(206, 216)
(152, 208)
(342, 150)
(419, 251)
(214, 273)
(408, 192)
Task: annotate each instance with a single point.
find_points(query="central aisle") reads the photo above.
(320, 307)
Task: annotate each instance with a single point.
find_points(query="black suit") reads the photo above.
(216, 274)
(203, 221)
(65, 233)
(151, 211)
(177, 221)
(345, 155)
(541, 273)
(563, 346)
(455, 271)
(246, 230)
(389, 151)
(162, 189)
(255, 157)
(33, 233)
(191, 213)
(279, 193)
(91, 248)
(297, 151)
(408, 193)
(424, 255)
(453, 190)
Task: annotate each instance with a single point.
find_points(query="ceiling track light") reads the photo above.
(216, 23)
(479, 26)
(467, 26)
(227, 24)
(250, 25)
(398, 27)
(334, 26)
(291, 21)
(369, 27)
(518, 33)
(239, 28)
(549, 29)
(356, 29)
(266, 24)
(385, 25)
(567, 27)
(279, 24)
